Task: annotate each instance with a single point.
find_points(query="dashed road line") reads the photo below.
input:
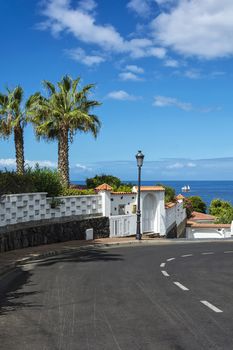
(207, 253)
(162, 264)
(170, 259)
(165, 273)
(210, 306)
(186, 255)
(228, 252)
(181, 286)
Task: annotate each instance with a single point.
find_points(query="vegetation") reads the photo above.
(61, 114)
(170, 193)
(222, 210)
(98, 180)
(189, 208)
(112, 181)
(13, 119)
(37, 180)
(198, 204)
(77, 192)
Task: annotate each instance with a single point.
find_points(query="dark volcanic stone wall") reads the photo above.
(51, 232)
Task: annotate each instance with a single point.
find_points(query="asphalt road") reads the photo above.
(122, 299)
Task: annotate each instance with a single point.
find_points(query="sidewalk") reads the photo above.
(9, 260)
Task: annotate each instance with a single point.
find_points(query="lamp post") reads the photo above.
(139, 157)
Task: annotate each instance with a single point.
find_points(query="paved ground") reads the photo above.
(122, 298)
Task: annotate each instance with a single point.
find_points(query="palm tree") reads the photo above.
(13, 119)
(65, 111)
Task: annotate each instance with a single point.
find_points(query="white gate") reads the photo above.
(148, 213)
(122, 225)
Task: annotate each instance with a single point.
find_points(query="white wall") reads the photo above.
(122, 225)
(175, 215)
(26, 207)
(129, 200)
(208, 232)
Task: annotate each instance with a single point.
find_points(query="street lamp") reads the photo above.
(139, 157)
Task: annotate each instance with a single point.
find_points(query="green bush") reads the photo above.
(112, 181)
(170, 193)
(222, 210)
(198, 204)
(124, 188)
(47, 180)
(76, 192)
(34, 180)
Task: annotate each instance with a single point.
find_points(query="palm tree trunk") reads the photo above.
(19, 149)
(63, 157)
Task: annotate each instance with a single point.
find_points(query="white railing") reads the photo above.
(25, 207)
(122, 225)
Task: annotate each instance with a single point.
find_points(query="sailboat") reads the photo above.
(186, 188)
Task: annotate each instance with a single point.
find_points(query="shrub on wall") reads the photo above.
(222, 210)
(47, 180)
(198, 204)
(94, 182)
(76, 192)
(34, 180)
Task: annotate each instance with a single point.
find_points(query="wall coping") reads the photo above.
(198, 225)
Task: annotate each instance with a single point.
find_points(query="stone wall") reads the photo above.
(47, 232)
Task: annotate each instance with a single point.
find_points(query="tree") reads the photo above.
(112, 181)
(13, 119)
(222, 210)
(198, 204)
(170, 193)
(61, 114)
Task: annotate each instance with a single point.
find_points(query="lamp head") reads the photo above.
(139, 157)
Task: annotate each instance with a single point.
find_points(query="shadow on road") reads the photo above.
(12, 290)
(85, 256)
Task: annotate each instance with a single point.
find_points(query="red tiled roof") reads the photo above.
(200, 225)
(170, 205)
(104, 187)
(151, 188)
(130, 193)
(196, 216)
(180, 196)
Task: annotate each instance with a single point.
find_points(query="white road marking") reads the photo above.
(165, 273)
(186, 255)
(207, 253)
(178, 284)
(162, 264)
(211, 306)
(170, 259)
(228, 252)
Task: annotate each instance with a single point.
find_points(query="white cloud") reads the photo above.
(134, 69)
(193, 74)
(163, 101)
(202, 28)
(140, 7)
(82, 167)
(62, 17)
(191, 165)
(175, 166)
(179, 165)
(171, 63)
(10, 162)
(87, 5)
(79, 55)
(129, 76)
(122, 95)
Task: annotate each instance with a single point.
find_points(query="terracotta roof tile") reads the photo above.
(104, 187)
(151, 188)
(170, 205)
(196, 216)
(130, 193)
(196, 224)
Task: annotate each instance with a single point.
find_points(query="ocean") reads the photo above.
(207, 190)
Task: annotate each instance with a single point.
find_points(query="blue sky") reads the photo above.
(163, 71)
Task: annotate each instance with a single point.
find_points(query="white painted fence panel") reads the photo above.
(25, 207)
(122, 225)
